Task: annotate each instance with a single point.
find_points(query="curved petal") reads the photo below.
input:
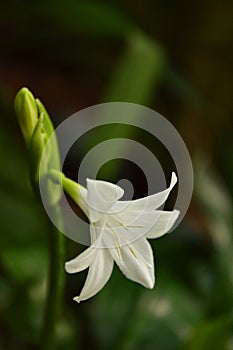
(164, 223)
(144, 204)
(134, 260)
(85, 259)
(148, 224)
(81, 262)
(98, 274)
(101, 195)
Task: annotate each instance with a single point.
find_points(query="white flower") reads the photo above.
(119, 232)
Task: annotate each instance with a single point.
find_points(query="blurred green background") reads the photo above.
(175, 57)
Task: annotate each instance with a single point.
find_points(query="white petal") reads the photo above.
(164, 223)
(96, 231)
(81, 262)
(147, 203)
(148, 224)
(101, 195)
(85, 259)
(134, 260)
(98, 274)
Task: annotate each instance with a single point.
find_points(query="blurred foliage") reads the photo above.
(176, 58)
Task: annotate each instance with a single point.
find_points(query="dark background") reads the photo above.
(175, 57)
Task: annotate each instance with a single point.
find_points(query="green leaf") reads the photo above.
(217, 210)
(136, 79)
(139, 71)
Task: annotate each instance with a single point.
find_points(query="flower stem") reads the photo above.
(55, 284)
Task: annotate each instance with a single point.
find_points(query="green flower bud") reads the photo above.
(54, 162)
(27, 113)
(37, 128)
(52, 158)
(47, 122)
(36, 148)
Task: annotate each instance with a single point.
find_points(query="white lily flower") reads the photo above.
(119, 232)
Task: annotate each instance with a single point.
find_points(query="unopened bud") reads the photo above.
(27, 113)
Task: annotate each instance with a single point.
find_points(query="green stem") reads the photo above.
(55, 285)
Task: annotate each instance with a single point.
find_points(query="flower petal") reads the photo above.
(144, 204)
(134, 260)
(164, 223)
(98, 274)
(81, 262)
(101, 196)
(96, 232)
(148, 224)
(85, 259)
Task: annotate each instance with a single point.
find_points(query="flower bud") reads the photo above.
(41, 141)
(36, 149)
(27, 113)
(48, 128)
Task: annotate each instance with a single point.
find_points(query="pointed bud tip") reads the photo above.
(23, 93)
(24, 89)
(40, 105)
